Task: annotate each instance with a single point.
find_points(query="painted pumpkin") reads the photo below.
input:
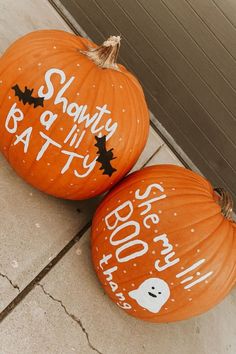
(163, 244)
(72, 121)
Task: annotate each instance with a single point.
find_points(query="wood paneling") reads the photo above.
(183, 52)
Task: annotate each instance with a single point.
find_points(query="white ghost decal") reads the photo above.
(152, 294)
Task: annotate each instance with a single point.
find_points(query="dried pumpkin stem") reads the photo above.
(225, 202)
(106, 55)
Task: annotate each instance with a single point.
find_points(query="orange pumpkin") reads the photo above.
(163, 244)
(72, 121)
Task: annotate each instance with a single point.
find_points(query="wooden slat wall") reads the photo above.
(184, 54)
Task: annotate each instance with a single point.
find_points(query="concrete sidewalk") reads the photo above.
(64, 310)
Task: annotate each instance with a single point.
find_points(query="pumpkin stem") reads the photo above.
(105, 56)
(226, 203)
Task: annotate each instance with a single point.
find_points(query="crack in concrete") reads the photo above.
(15, 286)
(73, 317)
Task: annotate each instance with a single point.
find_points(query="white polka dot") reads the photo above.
(166, 308)
(48, 163)
(95, 179)
(71, 184)
(175, 214)
(77, 94)
(182, 267)
(159, 211)
(142, 181)
(176, 245)
(19, 69)
(206, 281)
(97, 229)
(173, 189)
(124, 271)
(23, 161)
(61, 128)
(96, 249)
(78, 64)
(198, 273)
(37, 225)
(54, 47)
(93, 86)
(39, 64)
(198, 251)
(112, 85)
(124, 289)
(132, 284)
(134, 264)
(0, 81)
(9, 97)
(190, 299)
(121, 86)
(108, 209)
(4, 148)
(131, 150)
(120, 139)
(173, 300)
(150, 272)
(192, 230)
(156, 231)
(51, 179)
(134, 310)
(105, 238)
(161, 182)
(189, 289)
(123, 110)
(153, 252)
(130, 192)
(137, 120)
(119, 201)
(171, 283)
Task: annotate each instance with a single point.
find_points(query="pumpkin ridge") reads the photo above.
(200, 242)
(26, 111)
(93, 140)
(59, 176)
(48, 62)
(191, 224)
(133, 103)
(213, 276)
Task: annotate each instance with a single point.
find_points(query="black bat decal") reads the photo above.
(26, 96)
(105, 156)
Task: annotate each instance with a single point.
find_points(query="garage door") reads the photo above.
(184, 54)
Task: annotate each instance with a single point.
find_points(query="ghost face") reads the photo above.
(152, 294)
